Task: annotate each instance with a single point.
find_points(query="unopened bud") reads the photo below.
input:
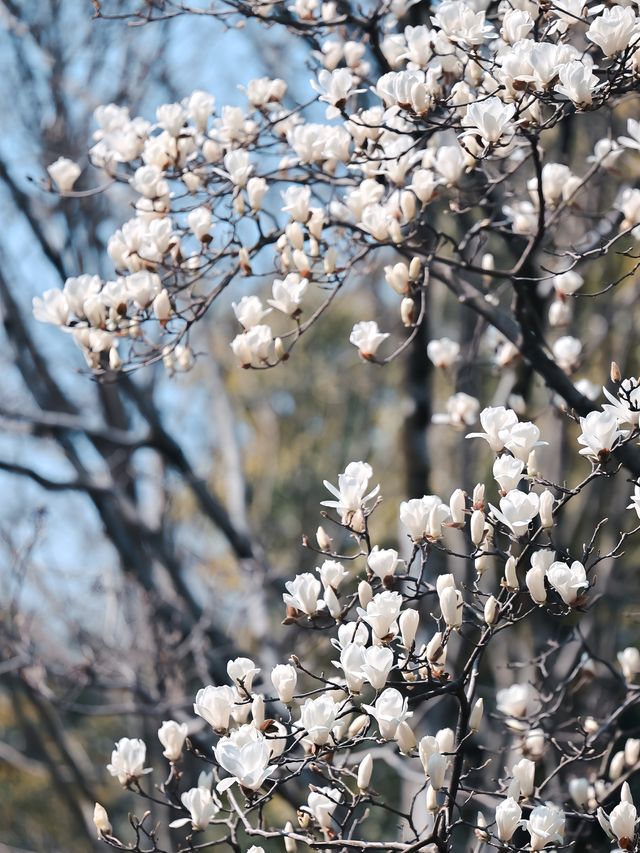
(616, 768)
(405, 738)
(491, 610)
(432, 799)
(616, 376)
(415, 268)
(457, 504)
(480, 831)
(364, 772)
(358, 725)
(257, 709)
(475, 717)
(510, 574)
(546, 509)
(279, 350)
(532, 464)
(365, 594)
(358, 523)
(101, 820)
(331, 600)
(323, 539)
(478, 496)
(289, 843)
(407, 311)
(477, 526)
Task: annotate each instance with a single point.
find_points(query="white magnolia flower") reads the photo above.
(577, 82)
(332, 574)
(350, 493)
(127, 760)
(367, 337)
(334, 87)
(508, 816)
(517, 510)
(377, 664)
(497, 423)
(524, 771)
(626, 406)
(199, 222)
(523, 438)
(303, 593)
(507, 471)
(629, 660)
(451, 603)
(568, 581)
(383, 561)
(390, 709)
(65, 173)
(623, 820)
(351, 663)
(462, 410)
(566, 351)
(253, 347)
(101, 820)
(461, 23)
(423, 517)
(490, 118)
(249, 311)
(52, 308)
(214, 704)
(284, 678)
(545, 826)
(202, 807)
(443, 352)
(322, 803)
(382, 612)
(172, 736)
(288, 293)
(613, 28)
(518, 701)
(246, 758)
(599, 435)
(317, 718)
(242, 671)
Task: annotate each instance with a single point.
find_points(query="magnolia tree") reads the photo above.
(432, 143)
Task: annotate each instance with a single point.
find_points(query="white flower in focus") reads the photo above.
(517, 510)
(202, 806)
(317, 718)
(635, 500)
(382, 612)
(383, 561)
(524, 771)
(284, 678)
(214, 704)
(332, 574)
(443, 352)
(613, 28)
(497, 423)
(461, 23)
(172, 736)
(367, 337)
(242, 671)
(334, 87)
(390, 709)
(288, 293)
(490, 118)
(523, 438)
(302, 593)
(127, 760)
(101, 820)
(423, 517)
(577, 82)
(352, 485)
(65, 173)
(568, 581)
(599, 435)
(507, 472)
(451, 603)
(545, 826)
(508, 816)
(626, 406)
(378, 661)
(246, 759)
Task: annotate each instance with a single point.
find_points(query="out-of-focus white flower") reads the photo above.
(579, 791)
(545, 826)
(172, 736)
(461, 23)
(127, 760)
(303, 593)
(202, 806)
(599, 435)
(629, 660)
(65, 173)
(568, 581)
(390, 709)
(101, 820)
(322, 803)
(334, 87)
(518, 701)
(52, 308)
(288, 293)
(249, 311)
(367, 337)
(517, 510)
(462, 410)
(443, 352)
(253, 347)
(566, 351)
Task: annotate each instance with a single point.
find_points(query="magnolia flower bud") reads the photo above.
(532, 464)
(101, 820)
(480, 831)
(436, 652)
(415, 268)
(510, 574)
(257, 709)
(279, 349)
(632, 751)
(477, 526)
(284, 678)
(546, 509)
(172, 736)
(508, 815)
(364, 772)
(457, 506)
(290, 845)
(534, 580)
(481, 564)
(358, 725)
(365, 594)
(475, 717)
(407, 311)
(491, 610)
(432, 799)
(331, 600)
(616, 768)
(524, 772)
(162, 306)
(408, 622)
(478, 496)
(323, 539)
(616, 376)
(579, 791)
(436, 769)
(405, 737)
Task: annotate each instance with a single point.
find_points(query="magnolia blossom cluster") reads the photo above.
(391, 621)
(414, 123)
